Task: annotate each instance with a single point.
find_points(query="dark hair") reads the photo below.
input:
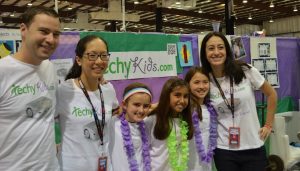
(232, 67)
(28, 16)
(162, 128)
(193, 100)
(135, 85)
(75, 70)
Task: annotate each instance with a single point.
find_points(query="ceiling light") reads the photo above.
(250, 17)
(12, 14)
(136, 2)
(108, 24)
(29, 4)
(135, 26)
(200, 10)
(1, 21)
(234, 26)
(165, 18)
(69, 8)
(271, 20)
(295, 9)
(178, 2)
(190, 22)
(245, 1)
(271, 5)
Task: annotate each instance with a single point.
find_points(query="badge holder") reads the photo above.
(102, 161)
(234, 137)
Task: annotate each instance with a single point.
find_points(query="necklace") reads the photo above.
(128, 145)
(206, 157)
(178, 157)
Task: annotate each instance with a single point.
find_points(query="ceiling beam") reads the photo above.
(8, 8)
(169, 24)
(151, 8)
(99, 3)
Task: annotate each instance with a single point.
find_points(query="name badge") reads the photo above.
(234, 137)
(102, 163)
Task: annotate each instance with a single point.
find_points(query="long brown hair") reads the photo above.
(193, 100)
(233, 68)
(162, 128)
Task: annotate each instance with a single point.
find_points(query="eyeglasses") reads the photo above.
(95, 56)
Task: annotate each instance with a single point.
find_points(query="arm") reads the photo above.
(271, 95)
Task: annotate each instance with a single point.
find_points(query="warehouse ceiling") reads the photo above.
(179, 16)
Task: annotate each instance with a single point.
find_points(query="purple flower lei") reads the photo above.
(128, 145)
(206, 157)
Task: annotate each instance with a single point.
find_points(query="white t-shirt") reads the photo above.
(27, 104)
(194, 164)
(80, 140)
(245, 115)
(159, 152)
(116, 147)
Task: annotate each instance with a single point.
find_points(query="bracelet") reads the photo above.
(268, 126)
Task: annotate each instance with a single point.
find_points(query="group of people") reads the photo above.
(210, 115)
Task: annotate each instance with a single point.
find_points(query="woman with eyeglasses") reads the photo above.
(84, 107)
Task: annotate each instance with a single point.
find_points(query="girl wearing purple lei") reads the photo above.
(204, 119)
(128, 140)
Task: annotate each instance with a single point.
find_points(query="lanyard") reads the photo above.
(230, 107)
(100, 127)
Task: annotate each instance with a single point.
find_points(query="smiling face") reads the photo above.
(215, 52)
(93, 69)
(199, 86)
(179, 99)
(40, 38)
(137, 107)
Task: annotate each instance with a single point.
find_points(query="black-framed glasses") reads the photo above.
(95, 56)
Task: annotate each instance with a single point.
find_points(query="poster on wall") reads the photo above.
(264, 58)
(185, 54)
(237, 47)
(10, 41)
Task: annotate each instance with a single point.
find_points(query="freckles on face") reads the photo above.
(179, 98)
(137, 107)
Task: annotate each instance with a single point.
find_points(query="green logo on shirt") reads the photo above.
(17, 90)
(78, 112)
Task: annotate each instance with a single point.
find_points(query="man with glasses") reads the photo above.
(27, 96)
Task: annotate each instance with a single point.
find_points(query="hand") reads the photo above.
(117, 111)
(103, 81)
(264, 132)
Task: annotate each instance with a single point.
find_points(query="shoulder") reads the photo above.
(113, 121)
(150, 120)
(6, 62)
(47, 65)
(67, 85)
(107, 86)
(250, 70)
